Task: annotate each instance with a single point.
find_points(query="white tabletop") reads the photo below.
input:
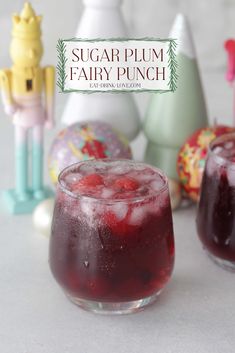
(195, 313)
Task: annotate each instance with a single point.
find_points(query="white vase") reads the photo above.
(103, 19)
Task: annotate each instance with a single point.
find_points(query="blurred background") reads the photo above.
(211, 22)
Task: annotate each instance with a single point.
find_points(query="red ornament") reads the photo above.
(192, 158)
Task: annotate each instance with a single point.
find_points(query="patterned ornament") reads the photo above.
(82, 141)
(192, 158)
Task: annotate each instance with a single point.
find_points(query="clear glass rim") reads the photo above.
(217, 140)
(111, 201)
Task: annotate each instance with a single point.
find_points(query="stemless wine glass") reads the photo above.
(112, 244)
(216, 209)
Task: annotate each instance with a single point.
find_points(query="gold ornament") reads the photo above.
(42, 216)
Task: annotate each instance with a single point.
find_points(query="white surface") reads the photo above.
(194, 314)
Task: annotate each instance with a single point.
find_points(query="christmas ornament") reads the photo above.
(172, 117)
(230, 73)
(175, 193)
(192, 158)
(42, 216)
(103, 19)
(86, 140)
(24, 87)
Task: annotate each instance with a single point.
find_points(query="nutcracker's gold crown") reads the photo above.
(27, 24)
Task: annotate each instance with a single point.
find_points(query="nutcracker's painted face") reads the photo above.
(26, 53)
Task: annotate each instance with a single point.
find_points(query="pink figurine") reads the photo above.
(28, 97)
(229, 46)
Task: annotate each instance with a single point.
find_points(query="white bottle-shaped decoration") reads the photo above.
(103, 19)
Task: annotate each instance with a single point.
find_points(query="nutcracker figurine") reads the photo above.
(23, 88)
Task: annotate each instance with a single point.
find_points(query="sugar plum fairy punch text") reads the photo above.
(99, 73)
(114, 65)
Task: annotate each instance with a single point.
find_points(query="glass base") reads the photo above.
(225, 264)
(114, 308)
